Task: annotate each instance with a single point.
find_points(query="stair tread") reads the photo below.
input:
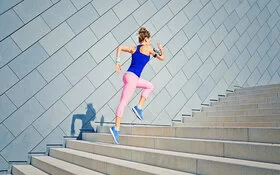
(121, 162)
(188, 155)
(191, 139)
(69, 167)
(29, 170)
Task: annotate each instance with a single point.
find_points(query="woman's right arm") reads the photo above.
(129, 49)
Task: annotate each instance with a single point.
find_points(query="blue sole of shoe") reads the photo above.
(136, 113)
(113, 136)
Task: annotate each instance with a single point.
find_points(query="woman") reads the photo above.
(140, 57)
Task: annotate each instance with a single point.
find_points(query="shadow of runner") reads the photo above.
(86, 121)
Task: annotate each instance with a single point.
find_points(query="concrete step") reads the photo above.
(251, 96)
(266, 135)
(264, 87)
(26, 170)
(110, 165)
(271, 118)
(246, 102)
(269, 153)
(241, 107)
(257, 91)
(59, 167)
(251, 112)
(228, 124)
(193, 163)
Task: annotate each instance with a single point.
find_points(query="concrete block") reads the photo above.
(28, 60)
(231, 21)
(176, 83)
(263, 3)
(273, 19)
(231, 56)
(242, 25)
(77, 70)
(263, 48)
(207, 11)
(178, 22)
(177, 42)
(219, 35)
(164, 35)
(105, 67)
(81, 43)
(275, 79)
(80, 3)
(55, 64)
(104, 46)
(192, 9)
(27, 10)
(192, 46)
(57, 38)
(273, 50)
(144, 12)
(192, 66)
(253, 12)
(231, 74)
(262, 66)
(206, 49)
(157, 19)
(242, 9)
(219, 71)
(177, 6)
(176, 63)
(6, 5)
(124, 8)
(254, 61)
(159, 103)
(219, 17)
(264, 78)
(160, 80)
(53, 91)
(206, 68)
(192, 27)
(243, 76)
(7, 79)
(272, 5)
(231, 5)
(231, 38)
(26, 88)
(206, 31)
(9, 50)
(206, 88)
(272, 36)
(254, 78)
(102, 7)
(263, 16)
(274, 65)
(47, 122)
(30, 33)
(6, 107)
(24, 116)
(101, 95)
(243, 58)
(160, 4)
(253, 28)
(58, 13)
(27, 169)
(219, 53)
(6, 135)
(104, 24)
(19, 147)
(83, 18)
(263, 32)
(78, 94)
(242, 42)
(9, 22)
(253, 45)
(191, 86)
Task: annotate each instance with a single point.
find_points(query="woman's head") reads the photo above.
(144, 35)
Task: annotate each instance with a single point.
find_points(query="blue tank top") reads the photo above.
(138, 62)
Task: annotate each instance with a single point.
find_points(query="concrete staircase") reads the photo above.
(239, 134)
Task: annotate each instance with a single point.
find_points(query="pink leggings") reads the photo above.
(131, 82)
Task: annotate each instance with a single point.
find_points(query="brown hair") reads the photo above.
(142, 34)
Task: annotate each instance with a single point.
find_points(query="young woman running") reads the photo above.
(131, 79)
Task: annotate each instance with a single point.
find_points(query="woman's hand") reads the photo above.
(159, 46)
(118, 67)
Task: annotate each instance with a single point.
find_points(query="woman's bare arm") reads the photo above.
(129, 49)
